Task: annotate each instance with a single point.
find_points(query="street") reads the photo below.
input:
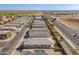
(7, 50)
(68, 32)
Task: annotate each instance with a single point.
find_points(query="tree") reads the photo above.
(54, 19)
(9, 34)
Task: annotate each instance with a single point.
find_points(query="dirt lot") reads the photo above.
(71, 21)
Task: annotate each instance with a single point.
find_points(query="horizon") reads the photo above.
(32, 7)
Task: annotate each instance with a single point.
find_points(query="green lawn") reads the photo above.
(16, 12)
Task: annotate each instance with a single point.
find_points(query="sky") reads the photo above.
(39, 6)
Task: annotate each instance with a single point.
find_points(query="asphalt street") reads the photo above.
(68, 32)
(7, 50)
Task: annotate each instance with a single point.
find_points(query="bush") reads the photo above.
(55, 45)
(10, 34)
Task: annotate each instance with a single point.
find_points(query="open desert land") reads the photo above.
(72, 22)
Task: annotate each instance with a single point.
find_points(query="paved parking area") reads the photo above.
(38, 52)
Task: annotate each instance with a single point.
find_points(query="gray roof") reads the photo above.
(7, 28)
(4, 32)
(39, 28)
(37, 41)
(38, 17)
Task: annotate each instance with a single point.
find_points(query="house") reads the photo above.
(5, 28)
(37, 43)
(5, 34)
(13, 25)
(39, 33)
(38, 18)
